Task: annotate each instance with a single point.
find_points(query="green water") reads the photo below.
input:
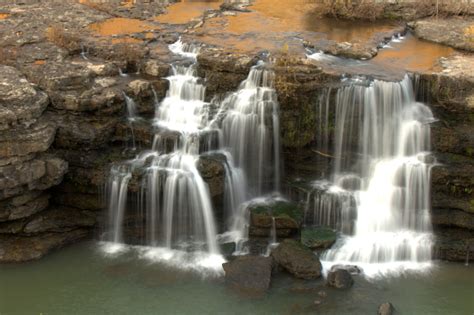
(81, 280)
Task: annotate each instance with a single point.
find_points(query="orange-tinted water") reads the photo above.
(184, 11)
(3, 16)
(413, 54)
(272, 24)
(121, 26)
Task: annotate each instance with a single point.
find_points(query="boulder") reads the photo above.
(339, 279)
(298, 260)
(249, 274)
(318, 237)
(386, 309)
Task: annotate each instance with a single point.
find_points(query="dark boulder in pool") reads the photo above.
(249, 274)
(297, 259)
(386, 309)
(340, 279)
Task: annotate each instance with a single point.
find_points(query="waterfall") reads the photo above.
(251, 130)
(174, 212)
(382, 164)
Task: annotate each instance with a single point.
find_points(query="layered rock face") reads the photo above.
(27, 171)
(451, 96)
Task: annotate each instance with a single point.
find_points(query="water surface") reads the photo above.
(82, 280)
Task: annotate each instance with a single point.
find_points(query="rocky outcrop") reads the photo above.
(456, 32)
(297, 260)
(249, 274)
(27, 171)
(450, 93)
(24, 248)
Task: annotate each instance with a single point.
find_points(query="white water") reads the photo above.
(251, 130)
(174, 212)
(381, 152)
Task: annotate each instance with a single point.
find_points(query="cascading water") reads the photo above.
(174, 213)
(382, 164)
(251, 130)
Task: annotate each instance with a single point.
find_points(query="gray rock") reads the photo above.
(249, 274)
(20, 141)
(20, 101)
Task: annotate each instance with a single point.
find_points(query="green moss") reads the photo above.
(280, 209)
(318, 237)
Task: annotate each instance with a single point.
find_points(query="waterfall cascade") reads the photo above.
(174, 209)
(378, 193)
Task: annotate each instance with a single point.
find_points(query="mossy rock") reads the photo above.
(287, 215)
(318, 237)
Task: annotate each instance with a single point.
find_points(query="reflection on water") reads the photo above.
(412, 54)
(301, 16)
(3, 16)
(120, 26)
(81, 280)
(273, 24)
(186, 10)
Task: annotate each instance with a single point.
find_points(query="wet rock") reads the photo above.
(20, 101)
(318, 237)
(223, 71)
(452, 187)
(143, 133)
(212, 171)
(386, 309)
(297, 260)
(453, 244)
(58, 219)
(156, 68)
(227, 249)
(339, 279)
(288, 217)
(249, 274)
(82, 201)
(25, 248)
(352, 269)
(452, 217)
